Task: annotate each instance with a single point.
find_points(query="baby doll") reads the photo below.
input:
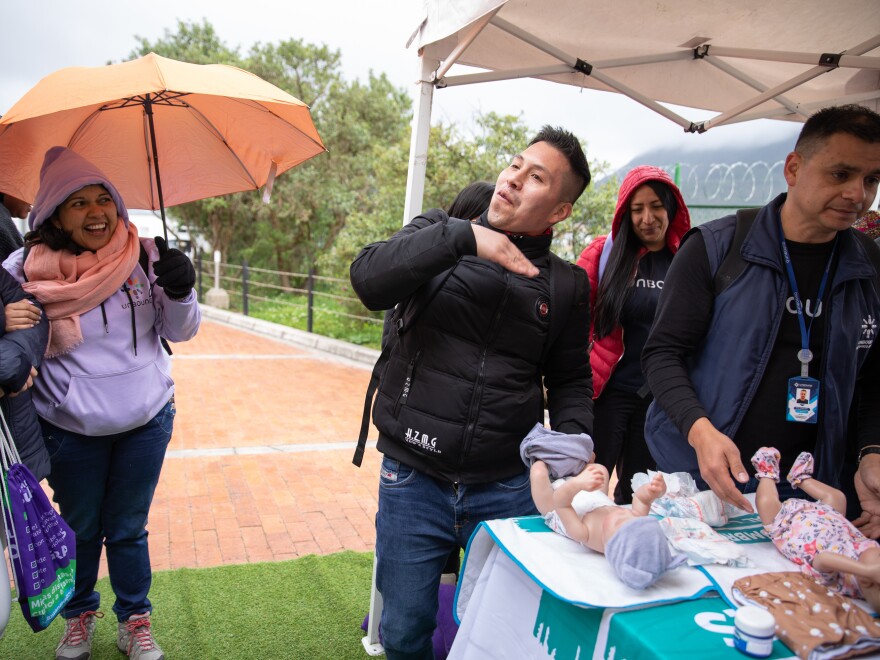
(579, 507)
(816, 535)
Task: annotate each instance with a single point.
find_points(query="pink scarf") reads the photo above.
(69, 285)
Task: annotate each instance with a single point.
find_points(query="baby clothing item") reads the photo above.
(766, 463)
(639, 554)
(802, 529)
(565, 454)
(802, 469)
(813, 621)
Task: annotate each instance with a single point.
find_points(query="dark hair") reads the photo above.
(616, 282)
(471, 200)
(570, 147)
(855, 120)
(54, 238)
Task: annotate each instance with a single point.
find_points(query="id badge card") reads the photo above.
(803, 400)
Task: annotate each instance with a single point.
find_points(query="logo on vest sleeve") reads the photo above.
(869, 331)
(542, 308)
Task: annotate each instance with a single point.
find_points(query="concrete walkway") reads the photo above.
(259, 467)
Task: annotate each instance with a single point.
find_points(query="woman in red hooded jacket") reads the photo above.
(626, 270)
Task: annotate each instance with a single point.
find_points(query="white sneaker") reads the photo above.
(76, 642)
(135, 639)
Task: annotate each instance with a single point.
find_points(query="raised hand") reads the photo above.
(495, 246)
(174, 271)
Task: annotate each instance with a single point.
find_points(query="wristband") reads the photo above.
(871, 449)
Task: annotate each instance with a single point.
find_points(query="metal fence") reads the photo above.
(307, 292)
(712, 190)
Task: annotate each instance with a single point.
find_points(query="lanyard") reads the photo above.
(805, 355)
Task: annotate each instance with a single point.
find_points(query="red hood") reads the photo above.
(637, 176)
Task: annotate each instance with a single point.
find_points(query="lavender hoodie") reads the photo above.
(104, 385)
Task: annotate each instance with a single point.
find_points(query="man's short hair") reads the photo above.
(570, 147)
(856, 120)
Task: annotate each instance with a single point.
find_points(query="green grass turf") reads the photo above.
(310, 607)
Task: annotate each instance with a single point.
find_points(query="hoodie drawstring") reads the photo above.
(134, 338)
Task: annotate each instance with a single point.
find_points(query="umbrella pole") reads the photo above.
(148, 108)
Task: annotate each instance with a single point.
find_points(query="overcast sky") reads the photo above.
(41, 37)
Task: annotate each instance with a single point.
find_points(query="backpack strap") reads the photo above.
(733, 264)
(870, 246)
(358, 457)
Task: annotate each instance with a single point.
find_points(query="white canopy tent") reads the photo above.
(744, 59)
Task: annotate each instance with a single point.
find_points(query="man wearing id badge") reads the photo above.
(766, 327)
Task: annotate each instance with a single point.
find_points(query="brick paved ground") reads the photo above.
(259, 467)
(238, 391)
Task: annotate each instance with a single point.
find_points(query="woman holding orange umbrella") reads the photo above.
(104, 396)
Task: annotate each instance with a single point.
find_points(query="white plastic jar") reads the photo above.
(754, 629)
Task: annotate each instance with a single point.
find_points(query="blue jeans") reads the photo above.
(420, 520)
(104, 486)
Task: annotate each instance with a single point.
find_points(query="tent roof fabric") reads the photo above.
(753, 46)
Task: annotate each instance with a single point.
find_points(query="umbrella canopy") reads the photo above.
(164, 132)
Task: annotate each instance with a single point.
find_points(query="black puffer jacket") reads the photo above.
(463, 385)
(19, 350)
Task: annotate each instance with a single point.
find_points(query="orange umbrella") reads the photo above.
(217, 130)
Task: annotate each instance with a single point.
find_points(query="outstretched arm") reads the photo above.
(830, 562)
(542, 491)
(826, 494)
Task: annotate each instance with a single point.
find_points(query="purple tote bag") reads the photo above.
(42, 548)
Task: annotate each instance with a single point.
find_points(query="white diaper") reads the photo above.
(590, 500)
(554, 523)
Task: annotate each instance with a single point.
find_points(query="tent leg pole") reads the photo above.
(418, 146)
(371, 642)
(415, 192)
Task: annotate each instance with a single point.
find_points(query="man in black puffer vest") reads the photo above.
(465, 383)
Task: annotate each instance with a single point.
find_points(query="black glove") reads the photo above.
(174, 271)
